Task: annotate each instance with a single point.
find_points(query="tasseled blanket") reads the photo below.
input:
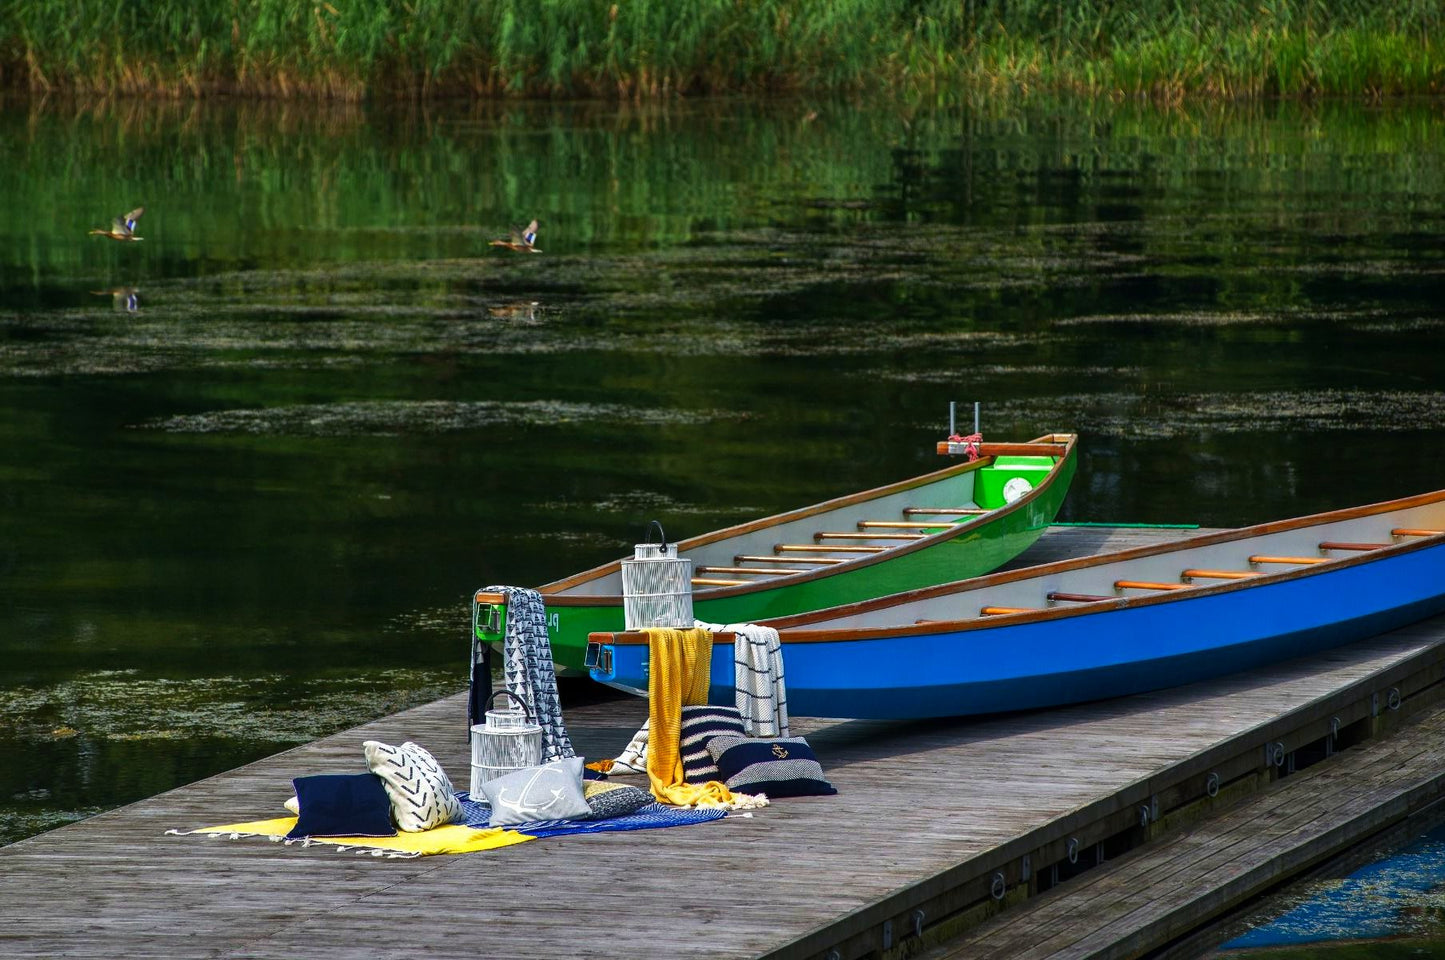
(679, 662)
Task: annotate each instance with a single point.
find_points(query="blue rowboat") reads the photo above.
(1102, 626)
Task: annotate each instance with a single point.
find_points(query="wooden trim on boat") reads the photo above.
(1414, 532)
(797, 628)
(496, 599)
(768, 571)
(1337, 545)
(1077, 597)
(801, 624)
(1264, 559)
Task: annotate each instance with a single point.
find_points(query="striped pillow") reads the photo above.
(699, 725)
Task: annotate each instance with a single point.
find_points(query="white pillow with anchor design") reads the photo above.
(552, 791)
(421, 794)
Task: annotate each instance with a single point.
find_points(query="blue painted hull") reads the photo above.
(1096, 656)
(1089, 651)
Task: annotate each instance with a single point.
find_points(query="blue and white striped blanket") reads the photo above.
(476, 814)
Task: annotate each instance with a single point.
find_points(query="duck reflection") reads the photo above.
(122, 298)
(516, 310)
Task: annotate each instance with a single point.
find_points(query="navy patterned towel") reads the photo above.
(527, 668)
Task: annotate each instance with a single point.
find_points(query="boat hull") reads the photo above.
(1006, 663)
(983, 544)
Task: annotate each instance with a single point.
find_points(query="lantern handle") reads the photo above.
(526, 710)
(661, 535)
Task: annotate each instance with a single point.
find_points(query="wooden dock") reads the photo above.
(937, 827)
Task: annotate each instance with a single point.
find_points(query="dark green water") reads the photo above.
(250, 511)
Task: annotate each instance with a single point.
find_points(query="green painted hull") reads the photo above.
(985, 544)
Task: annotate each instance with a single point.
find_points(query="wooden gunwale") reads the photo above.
(1048, 445)
(795, 627)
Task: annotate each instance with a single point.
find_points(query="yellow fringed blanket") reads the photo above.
(452, 838)
(679, 664)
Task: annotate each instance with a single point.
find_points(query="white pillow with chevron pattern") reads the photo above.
(421, 794)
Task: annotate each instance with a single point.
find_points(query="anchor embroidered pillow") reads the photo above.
(421, 794)
(777, 767)
(552, 791)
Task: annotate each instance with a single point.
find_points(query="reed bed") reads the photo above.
(637, 49)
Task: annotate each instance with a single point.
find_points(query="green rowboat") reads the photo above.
(962, 521)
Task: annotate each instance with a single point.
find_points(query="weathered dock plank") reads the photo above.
(1152, 895)
(925, 811)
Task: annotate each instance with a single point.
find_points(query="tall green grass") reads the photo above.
(651, 48)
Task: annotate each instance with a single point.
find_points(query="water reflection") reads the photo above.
(121, 298)
(251, 512)
(1400, 895)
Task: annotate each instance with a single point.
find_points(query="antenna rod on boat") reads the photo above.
(975, 417)
(952, 407)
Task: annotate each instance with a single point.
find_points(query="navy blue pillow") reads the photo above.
(780, 767)
(342, 805)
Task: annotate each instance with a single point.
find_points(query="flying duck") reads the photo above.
(521, 239)
(123, 228)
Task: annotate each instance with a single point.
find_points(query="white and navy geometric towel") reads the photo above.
(528, 669)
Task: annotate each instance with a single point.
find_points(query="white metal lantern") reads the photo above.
(656, 585)
(509, 740)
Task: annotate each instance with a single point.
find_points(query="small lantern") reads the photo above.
(508, 741)
(656, 585)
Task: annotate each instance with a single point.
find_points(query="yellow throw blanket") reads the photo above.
(679, 664)
(452, 838)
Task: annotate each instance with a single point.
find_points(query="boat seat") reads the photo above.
(1414, 532)
(1263, 559)
(945, 511)
(1148, 585)
(1003, 611)
(812, 547)
(718, 582)
(869, 536)
(771, 571)
(1192, 574)
(1338, 545)
(1077, 597)
(903, 524)
(751, 558)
